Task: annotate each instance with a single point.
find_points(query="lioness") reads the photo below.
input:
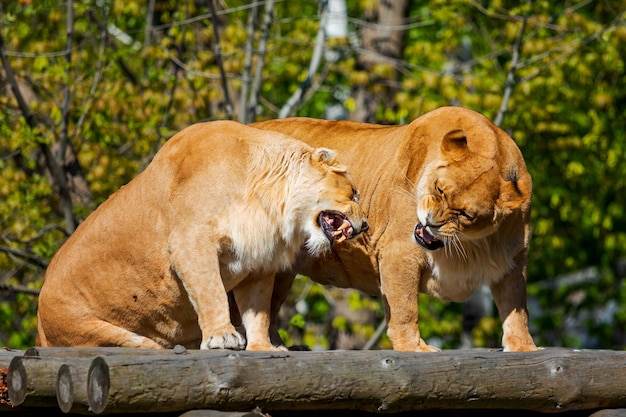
(219, 203)
(448, 202)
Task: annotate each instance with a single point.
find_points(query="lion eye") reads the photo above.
(462, 213)
(355, 195)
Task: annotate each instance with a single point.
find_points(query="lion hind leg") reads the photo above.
(103, 333)
(510, 296)
(93, 333)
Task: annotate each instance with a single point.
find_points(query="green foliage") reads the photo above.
(128, 95)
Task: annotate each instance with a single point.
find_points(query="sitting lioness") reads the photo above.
(448, 202)
(221, 207)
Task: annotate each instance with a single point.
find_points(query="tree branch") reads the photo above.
(258, 76)
(320, 41)
(228, 106)
(65, 106)
(510, 77)
(29, 257)
(149, 23)
(55, 168)
(13, 289)
(94, 84)
(244, 113)
(122, 64)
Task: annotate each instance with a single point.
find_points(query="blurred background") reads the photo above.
(89, 91)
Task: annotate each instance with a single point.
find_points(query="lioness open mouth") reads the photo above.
(335, 226)
(425, 238)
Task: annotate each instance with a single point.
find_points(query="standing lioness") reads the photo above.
(448, 201)
(220, 203)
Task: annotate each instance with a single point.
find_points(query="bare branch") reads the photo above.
(25, 256)
(258, 75)
(94, 85)
(510, 77)
(165, 121)
(122, 64)
(190, 71)
(55, 168)
(486, 12)
(149, 23)
(577, 45)
(65, 107)
(244, 116)
(228, 106)
(19, 289)
(382, 326)
(318, 52)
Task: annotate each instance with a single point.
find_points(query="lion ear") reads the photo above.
(515, 191)
(327, 157)
(454, 145)
(324, 155)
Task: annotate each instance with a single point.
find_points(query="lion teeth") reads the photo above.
(340, 238)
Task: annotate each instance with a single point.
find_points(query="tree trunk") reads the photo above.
(382, 39)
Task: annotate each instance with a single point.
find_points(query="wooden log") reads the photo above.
(31, 381)
(7, 354)
(552, 380)
(71, 387)
(51, 376)
(92, 352)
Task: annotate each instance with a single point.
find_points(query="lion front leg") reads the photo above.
(510, 296)
(400, 291)
(197, 265)
(253, 296)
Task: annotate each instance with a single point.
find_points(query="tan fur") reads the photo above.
(221, 207)
(451, 170)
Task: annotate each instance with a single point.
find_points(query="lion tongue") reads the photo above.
(425, 234)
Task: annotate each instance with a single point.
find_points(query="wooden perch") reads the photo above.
(45, 377)
(7, 354)
(378, 381)
(126, 380)
(32, 381)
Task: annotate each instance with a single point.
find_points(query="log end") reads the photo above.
(17, 381)
(32, 351)
(65, 393)
(98, 385)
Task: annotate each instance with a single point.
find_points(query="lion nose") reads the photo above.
(364, 227)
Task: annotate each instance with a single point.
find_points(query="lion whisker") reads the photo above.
(453, 245)
(459, 247)
(406, 193)
(412, 195)
(447, 245)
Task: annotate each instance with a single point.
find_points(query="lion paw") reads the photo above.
(227, 338)
(428, 348)
(411, 346)
(266, 347)
(523, 348)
